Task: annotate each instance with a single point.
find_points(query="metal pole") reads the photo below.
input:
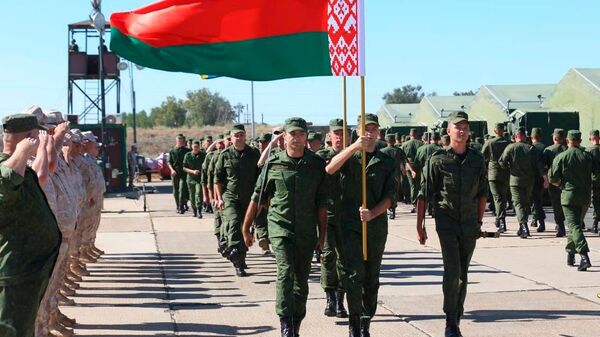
(252, 102)
(345, 123)
(133, 103)
(103, 106)
(364, 164)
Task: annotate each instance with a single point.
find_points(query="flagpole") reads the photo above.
(252, 101)
(364, 165)
(345, 109)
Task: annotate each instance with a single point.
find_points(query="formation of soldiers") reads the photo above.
(51, 200)
(291, 191)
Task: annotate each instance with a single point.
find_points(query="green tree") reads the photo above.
(407, 94)
(207, 108)
(171, 113)
(465, 93)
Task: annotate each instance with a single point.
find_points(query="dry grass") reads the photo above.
(152, 142)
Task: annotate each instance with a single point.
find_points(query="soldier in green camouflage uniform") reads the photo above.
(554, 192)
(594, 150)
(403, 185)
(572, 172)
(29, 244)
(539, 216)
(178, 175)
(362, 284)
(498, 177)
(423, 155)
(410, 148)
(261, 227)
(455, 181)
(235, 174)
(525, 165)
(332, 256)
(192, 165)
(296, 186)
(207, 179)
(399, 156)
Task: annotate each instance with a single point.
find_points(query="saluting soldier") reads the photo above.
(192, 165)
(539, 216)
(454, 180)
(332, 256)
(178, 175)
(236, 172)
(410, 148)
(525, 165)
(362, 284)
(558, 138)
(29, 244)
(498, 176)
(572, 172)
(594, 150)
(296, 185)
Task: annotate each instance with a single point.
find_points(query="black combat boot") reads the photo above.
(534, 223)
(297, 328)
(354, 326)
(523, 231)
(392, 213)
(502, 228)
(497, 223)
(542, 227)
(561, 232)
(571, 259)
(595, 226)
(199, 208)
(287, 327)
(583, 226)
(330, 305)
(340, 311)
(365, 324)
(584, 263)
(195, 213)
(451, 326)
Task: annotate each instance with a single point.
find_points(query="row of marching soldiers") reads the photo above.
(53, 207)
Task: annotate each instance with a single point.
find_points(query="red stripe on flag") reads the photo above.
(193, 22)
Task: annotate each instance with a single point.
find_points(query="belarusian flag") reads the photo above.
(258, 40)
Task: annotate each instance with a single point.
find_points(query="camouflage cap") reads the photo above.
(435, 134)
(412, 130)
(336, 124)
(37, 112)
(398, 135)
(90, 137)
(209, 138)
(536, 131)
(237, 128)
(196, 142)
(265, 137)
(315, 136)
(457, 117)
(21, 123)
(369, 119)
(53, 117)
(220, 137)
(499, 126)
(518, 130)
(77, 136)
(390, 136)
(559, 132)
(574, 135)
(594, 133)
(294, 124)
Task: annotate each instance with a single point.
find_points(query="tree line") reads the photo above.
(414, 94)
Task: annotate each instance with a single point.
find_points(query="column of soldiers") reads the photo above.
(51, 198)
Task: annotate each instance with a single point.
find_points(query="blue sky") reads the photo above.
(442, 45)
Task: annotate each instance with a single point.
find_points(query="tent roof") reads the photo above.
(444, 105)
(592, 75)
(398, 113)
(522, 96)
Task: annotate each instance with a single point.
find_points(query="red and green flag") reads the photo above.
(258, 40)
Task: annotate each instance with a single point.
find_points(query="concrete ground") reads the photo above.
(161, 276)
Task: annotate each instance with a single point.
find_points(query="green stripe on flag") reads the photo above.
(272, 58)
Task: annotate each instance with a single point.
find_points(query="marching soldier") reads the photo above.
(178, 175)
(558, 137)
(332, 257)
(213, 151)
(572, 172)
(399, 157)
(296, 186)
(539, 215)
(498, 176)
(236, 172)
(362, 277)
(423, 155)
(410, 148)
(192, 165)
(455, 181)
(525, 165)
(594, 150)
